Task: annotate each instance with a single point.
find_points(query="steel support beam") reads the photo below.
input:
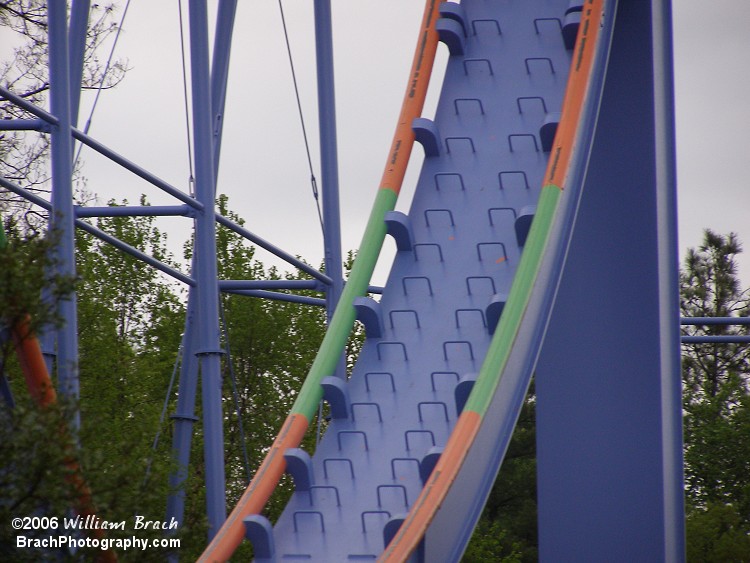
(609, 440)
(329, 159)
(79, 21)
(205, 272)
(220, 72)
(62, 218)
(184, 416)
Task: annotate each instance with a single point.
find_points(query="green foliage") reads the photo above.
(130, 323)
(718, 534)
(131, 319)
(26, 260)
(507, 530)
(33, 475)
(716, 406)
(272, 345)
(491, 542)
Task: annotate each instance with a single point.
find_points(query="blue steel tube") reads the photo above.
(79, 20)
(24, 125)
(669, 286)
(206, 275)
(135, 211)
(184, 417)
(329, 158)
(117, 243)
(63, 216)
(220, 71)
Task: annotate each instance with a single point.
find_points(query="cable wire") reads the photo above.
(101, 82)
(235, 394)
(313, 181)
(191, 180)
(155, 443)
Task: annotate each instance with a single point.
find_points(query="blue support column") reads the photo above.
(184, 417)
(669, 283)
(220, 72)
(609, 436)
(63, 216)
(329, 158)
(79, 19)
(207, 290)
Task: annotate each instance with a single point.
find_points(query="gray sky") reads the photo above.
(264, 167)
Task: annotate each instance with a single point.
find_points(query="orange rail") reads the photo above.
(435, 491)
(226, 540)
(40, 387)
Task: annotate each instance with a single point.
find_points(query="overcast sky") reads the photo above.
(264, 167)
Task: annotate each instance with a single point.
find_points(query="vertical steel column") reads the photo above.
(207, 289)
(185, 415)
(79, 20)
(329, 158)
(220, 72)
(669, 283)
(63, 217)
(609, 441)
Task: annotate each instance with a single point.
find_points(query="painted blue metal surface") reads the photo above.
(79, 19)
(184, 417)
(458, 248)
(479, 470)
(329, 159)
(608, 421)
(205, 270)
(220, 72)
(24, 125)
(63, 217)
(135, 211)
(610, 465)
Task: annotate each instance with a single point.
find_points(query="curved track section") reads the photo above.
(418, 432)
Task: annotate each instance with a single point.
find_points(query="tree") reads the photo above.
(24, 71)
(716, 405)
(28, 457)
(507, 530)
(131, 321)
(25, 266)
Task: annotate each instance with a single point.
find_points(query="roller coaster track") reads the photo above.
(545, 209)
(418, 433)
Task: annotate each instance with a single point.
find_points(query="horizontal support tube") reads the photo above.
(117, 243)
(296, 262)
(226, 285)
(717, 339)
(135, 211)
(28, 106)
(707, 321)
(164, 186)
(137, 170)
(24, 125)
(230, 286)
(279, 296)
(41, 202)
(103, 150)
